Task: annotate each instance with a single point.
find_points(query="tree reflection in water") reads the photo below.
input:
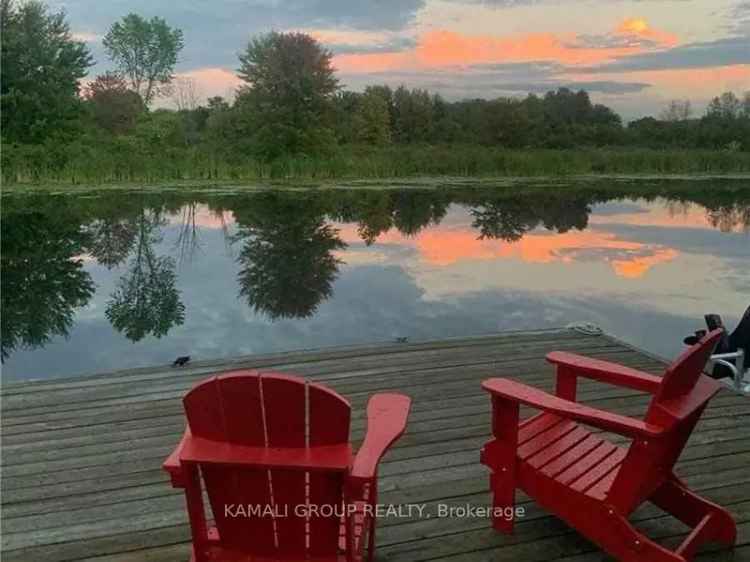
(111, 240)
(730, 217)
(146, 300)
(43, 280)
(414, 210)
(375, 216)
(286, 259)
(509, 218)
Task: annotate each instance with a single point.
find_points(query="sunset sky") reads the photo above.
(632, 55)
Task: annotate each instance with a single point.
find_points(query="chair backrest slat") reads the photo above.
(329, 418)
(204, 411)
(271, 410)
(677, 405)
(284, 407)
(284, 403)
(242, 408)
(680, 377)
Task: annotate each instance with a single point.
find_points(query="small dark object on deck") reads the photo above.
(181, 361)
(402, 339)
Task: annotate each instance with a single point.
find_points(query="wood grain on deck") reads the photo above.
(81, 456)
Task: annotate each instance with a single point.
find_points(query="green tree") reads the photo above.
(39, 73)
(725, 106)
(677, 110)
(115, 108)
(372, 120)
(345, 108)
(507, 121)
(220, 139)
(412, 115)
(161, 129)
(145, 51)
(725, 125)
(287, 102)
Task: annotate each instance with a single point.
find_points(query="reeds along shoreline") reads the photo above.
(39, 164)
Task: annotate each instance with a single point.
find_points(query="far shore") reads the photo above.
(615, 181)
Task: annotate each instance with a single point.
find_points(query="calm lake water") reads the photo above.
(112, 280)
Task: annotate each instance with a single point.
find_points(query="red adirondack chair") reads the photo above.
(591, 483)
(274, 457)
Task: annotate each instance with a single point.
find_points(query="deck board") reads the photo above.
(81, 456)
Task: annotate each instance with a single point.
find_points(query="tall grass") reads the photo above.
(87, 164)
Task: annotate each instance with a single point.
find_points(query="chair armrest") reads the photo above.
(172, 464)
(605, 371)
(541, 400)
(386, 422)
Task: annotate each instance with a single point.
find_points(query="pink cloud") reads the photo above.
(444, 48)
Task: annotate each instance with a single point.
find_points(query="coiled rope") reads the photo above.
(587, 328)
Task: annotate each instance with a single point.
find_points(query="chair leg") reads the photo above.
(625, 542)
(196, 514)
(503, 486)
(501, 458)
(709, 521)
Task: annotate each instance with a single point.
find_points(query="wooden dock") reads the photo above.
(81, 457)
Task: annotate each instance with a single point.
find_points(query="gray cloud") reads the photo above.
(611, 42)
(544, 86)
(492, 80)
(397, 44)
(722, 52)
(739, 19)
(357, 14)
(609, 87)
(462, 85)
(529, 69)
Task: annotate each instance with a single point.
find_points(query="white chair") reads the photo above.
(735, 361)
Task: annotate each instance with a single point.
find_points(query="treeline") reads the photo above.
(561, 119)
(291, 118)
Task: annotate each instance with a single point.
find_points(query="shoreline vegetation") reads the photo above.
(291, 119)
(26, 166)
